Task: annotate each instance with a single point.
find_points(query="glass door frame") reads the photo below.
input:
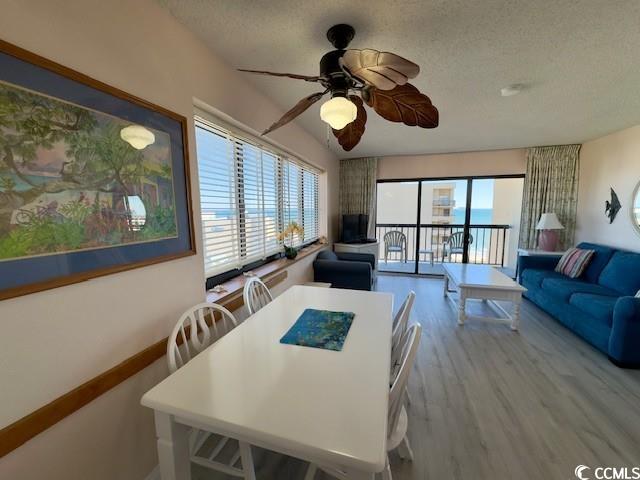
(467, 214)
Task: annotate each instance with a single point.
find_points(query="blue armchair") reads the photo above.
(345, 270)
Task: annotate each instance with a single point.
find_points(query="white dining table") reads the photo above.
(323, 406)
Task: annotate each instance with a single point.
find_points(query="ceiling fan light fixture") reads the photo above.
(137, 136)
(338, 112)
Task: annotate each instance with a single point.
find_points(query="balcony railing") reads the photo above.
(489, 246)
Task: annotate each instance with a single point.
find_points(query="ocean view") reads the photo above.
(479, 216)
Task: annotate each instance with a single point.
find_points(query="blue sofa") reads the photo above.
(599, 306)
(345, 270)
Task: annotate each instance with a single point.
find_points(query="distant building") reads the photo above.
(438, 202)
(397, 203)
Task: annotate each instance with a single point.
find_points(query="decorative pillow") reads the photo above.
(574, 262)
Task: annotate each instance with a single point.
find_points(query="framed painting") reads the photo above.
(93, 180)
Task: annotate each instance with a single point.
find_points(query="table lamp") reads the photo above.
(548, 226)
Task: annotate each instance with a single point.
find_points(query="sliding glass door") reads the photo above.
(422, 224)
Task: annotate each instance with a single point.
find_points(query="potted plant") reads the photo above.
(292, 230)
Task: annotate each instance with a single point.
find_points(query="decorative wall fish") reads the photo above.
(611, 208)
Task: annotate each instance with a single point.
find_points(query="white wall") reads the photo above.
(610, 161)
(397, 202)
(426, 203)
(507, 209)
(53, 341)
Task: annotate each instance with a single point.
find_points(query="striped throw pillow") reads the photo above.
(574, 262)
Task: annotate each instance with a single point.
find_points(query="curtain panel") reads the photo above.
(358, 189)
(551, 185)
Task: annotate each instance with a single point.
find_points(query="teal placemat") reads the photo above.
(320, 329)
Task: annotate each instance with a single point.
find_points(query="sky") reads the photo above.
(482, 195)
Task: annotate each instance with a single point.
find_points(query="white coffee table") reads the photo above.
(485, 283)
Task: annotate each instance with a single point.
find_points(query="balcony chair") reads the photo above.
(395, 242)
(345, 269)
(454, 245)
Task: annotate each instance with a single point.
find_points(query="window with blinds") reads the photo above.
(248, 194)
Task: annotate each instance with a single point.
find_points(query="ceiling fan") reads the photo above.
(354, 77)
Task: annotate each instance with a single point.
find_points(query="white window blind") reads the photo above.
(249, 194)
(310, 205)
(218, 200)
(292, 196)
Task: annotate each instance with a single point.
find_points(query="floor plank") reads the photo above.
(489, 403)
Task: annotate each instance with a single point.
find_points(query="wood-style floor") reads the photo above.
(489, 403)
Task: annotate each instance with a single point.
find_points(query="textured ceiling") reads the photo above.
(580, 61)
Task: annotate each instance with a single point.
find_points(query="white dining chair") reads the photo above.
(192, 334)
(256, 294)
(401, 319)
(400, 323)
(398, 421)
(189, 337)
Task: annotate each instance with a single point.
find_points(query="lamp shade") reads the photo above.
(338, 112)
(549, 221)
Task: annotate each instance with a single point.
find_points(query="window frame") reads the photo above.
(282, 159)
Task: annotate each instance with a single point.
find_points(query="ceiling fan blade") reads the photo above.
(403, 104)
(298, 108)
(350, 135)
(383, 70)
(288, 75)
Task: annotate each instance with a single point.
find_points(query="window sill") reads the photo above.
(271, 273)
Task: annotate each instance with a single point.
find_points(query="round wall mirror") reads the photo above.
(635, 208)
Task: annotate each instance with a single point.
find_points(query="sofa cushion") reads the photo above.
(563, 288)
(622, 273)
(585, 325)
(602, 255)
(327, 255)
(535, 277)
(574, 262)
(598, 306)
